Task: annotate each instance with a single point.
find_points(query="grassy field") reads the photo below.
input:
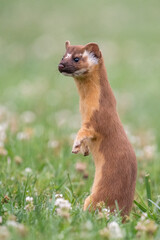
(39, 116)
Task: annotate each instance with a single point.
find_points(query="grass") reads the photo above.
(32, 36)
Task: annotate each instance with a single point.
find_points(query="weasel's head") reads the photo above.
(79, 60)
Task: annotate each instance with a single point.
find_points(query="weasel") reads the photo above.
(101, 132)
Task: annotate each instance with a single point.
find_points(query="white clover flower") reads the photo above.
(146, 225)
(143, 216)
(29, 207)
(58, 201)
(29, 199)
(63, 213)
(11, 223)
(88, 225)
(115, 230)
(14, 224)
(58, 195)
(104, 233)
(28, 170)
(106, 210)
(63, 206)
(62, 203)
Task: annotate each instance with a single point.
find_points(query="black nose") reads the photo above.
(61, 67)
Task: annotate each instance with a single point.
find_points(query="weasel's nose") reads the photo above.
(61, 67)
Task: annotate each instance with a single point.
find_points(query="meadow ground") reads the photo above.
(39, 116)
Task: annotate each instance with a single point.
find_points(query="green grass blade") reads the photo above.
(148, 189)
(143, 209)
(154, 204)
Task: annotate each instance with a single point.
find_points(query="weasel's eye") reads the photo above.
(76, 59)
(62, 57)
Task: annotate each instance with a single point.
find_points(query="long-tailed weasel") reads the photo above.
(101, 132)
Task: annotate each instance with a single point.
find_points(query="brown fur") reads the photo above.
(102, 132)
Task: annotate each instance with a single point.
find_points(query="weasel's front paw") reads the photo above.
(85, 149)
(76, 147)
(86, 153)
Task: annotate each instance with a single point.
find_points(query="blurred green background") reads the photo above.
(32, 37)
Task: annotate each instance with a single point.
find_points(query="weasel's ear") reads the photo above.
(67, 44)
(93, 47)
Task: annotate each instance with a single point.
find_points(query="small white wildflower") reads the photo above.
(28, 170)
(143, 216)
(88, 225)
(20, 227)
(148, 226)
(29, 207)
(115, 230)
(29, 199)
(0, 219)
(63, 206)
(63, 212)
(62, 203)
(106, 210)
(12, 223)
(58, 201)
(104, 233)
(58, 195)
